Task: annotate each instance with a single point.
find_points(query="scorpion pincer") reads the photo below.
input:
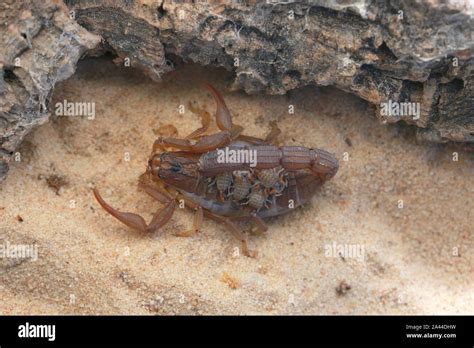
(281, 179)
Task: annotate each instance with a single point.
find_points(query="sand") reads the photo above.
(415, 258)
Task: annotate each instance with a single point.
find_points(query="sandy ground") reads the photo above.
(414, 259)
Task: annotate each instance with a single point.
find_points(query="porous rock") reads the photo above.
(385, 52)
(40, 46)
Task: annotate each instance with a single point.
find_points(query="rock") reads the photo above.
(412, 60)
(417, 52)
(40, 47)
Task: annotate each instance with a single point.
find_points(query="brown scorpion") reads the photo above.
(227, 189)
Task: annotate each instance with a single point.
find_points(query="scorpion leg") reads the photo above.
(270, 138)
(235, 231)
(250, 139)
(161, 217)
(256, 220)
(260, 224)
(274, 133)
(205, 121)
(167, 130)
(204, 144)
(198, 217)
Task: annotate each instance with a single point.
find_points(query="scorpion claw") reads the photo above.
(135, 221)
(131, 220)
(223, 115)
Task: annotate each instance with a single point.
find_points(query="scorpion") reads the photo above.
(282, 179)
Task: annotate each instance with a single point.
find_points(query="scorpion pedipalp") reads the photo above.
(160, 218)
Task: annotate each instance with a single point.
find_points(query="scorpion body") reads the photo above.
(300, 186)
(279, 180)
